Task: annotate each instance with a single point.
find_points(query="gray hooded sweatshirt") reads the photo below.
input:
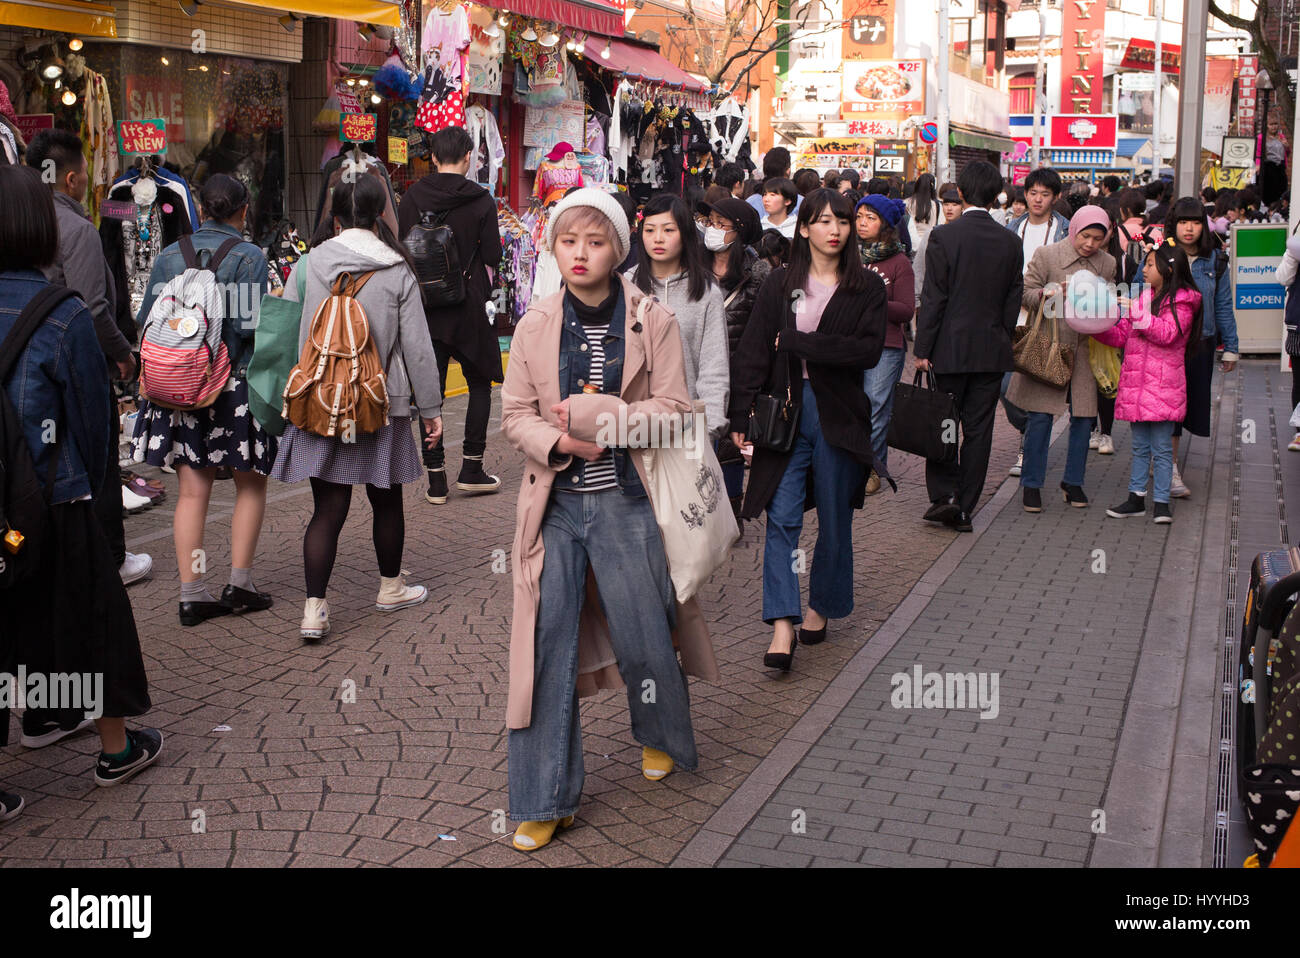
(705, 352)
(392, 303)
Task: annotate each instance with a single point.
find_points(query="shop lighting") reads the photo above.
(352, 81)
(492, 30)
(376, 99)
(604, 54)
(287, 21)
(550, 40)
(503, 20)
(75, 44)
(365, 31)
(58, 84)
(570, 46)
(203, 68)
(363, 82)
(530, 34)
(68, 98)
(165, 61)
(51, 67)
(189, 7)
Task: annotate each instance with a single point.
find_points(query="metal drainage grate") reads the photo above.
(1228, 704)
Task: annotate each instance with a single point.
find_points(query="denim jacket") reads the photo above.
(57, 388)
(242, 275)
(1216, 301)
(575, 369)
(1060, 226)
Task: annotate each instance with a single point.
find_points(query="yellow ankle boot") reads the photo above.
(654, 763)
(531, 836)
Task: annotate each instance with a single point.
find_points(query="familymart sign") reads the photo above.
(1257, 296)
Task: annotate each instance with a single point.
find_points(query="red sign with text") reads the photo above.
(358, 127)
(152, 96)
(142, 137)
(1082, 49)
(1246, 95)
(1083, 131)
(1141, 55)
(29, 124)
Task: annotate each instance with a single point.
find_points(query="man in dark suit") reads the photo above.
(969, 305)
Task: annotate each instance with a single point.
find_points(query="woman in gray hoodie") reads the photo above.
(382, 460)
(672, 268)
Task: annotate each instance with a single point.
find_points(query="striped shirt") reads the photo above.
(599, 473)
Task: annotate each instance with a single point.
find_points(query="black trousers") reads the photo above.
(108, 498)
(977, 401)
(1106, 413)
(476, 416)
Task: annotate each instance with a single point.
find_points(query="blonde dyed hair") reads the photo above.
(578, 218)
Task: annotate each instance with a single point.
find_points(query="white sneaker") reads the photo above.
(135, 567)
(1105, 445)
(1094, 442)
(134, 503)
(1015, 470)
(1294, 445)
(315, 620)
(395, 594)
(1177, 489)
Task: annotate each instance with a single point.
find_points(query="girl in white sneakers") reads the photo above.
(383, 461)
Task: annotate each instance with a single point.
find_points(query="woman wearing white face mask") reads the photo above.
(733, 229)
(672, 269)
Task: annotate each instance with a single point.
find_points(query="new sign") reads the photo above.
(1083, 131)
(142, 137)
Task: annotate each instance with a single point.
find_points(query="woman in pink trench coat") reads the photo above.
(653, 382)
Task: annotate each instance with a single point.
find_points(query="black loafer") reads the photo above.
(945, 511)
(245, 600)
(192, 613)
(963, 523)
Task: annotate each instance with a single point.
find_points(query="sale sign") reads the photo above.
(397, 149)
(29, 124)
(154, 96)
(142, 137)
(359, 127)
(1082, 42)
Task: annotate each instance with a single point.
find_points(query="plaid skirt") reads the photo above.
(385, 458)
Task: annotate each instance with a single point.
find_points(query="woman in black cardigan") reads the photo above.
(823, 318)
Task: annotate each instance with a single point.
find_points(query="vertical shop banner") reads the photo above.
(1217, 104)
(148, 97)
(1246, 93)
(868, 29)
(1082, 41)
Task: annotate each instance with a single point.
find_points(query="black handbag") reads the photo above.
(774, 416)
(924, 421)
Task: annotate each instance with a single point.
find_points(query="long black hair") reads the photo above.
(1190, 208)
(852, 274)
(923, 198)
(29, 232)
(360, 205)
(1176, 276)
(698, 274)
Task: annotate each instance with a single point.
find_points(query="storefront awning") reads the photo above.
(66, 16)
(639, 63)
(980, 141)
(380, 12)
(593, 16)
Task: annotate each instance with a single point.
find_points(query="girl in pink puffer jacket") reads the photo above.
(1156, 339)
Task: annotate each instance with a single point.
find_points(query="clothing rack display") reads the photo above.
(512, 289)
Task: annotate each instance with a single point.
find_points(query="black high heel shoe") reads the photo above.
(813, 636)
(781, 660)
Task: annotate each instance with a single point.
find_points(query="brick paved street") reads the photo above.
(303, 777)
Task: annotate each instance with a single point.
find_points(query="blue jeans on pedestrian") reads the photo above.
(617, 538)
(1152, 440)
(879, 383)
(835, 476)
(1038, 434)
(1015, 415)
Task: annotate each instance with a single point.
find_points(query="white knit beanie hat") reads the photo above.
(597, 200)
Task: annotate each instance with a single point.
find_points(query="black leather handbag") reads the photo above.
(924, 421)
(774, 415)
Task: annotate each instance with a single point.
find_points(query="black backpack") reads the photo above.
(24, 504)
(432, 246)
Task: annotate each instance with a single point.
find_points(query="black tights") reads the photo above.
(1106, 413)
(320, 546)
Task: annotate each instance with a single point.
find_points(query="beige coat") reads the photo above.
(653, 382)
(1056, 264)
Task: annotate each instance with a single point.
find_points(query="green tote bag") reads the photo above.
(275, 350)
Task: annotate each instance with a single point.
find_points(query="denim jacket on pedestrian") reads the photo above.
(1060, 226)
(575, 369)
(57, 388)
(242, 275)
(1216, 300)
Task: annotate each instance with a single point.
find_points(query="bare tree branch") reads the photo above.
(1268, 59)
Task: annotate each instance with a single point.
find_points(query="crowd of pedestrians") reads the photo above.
(796, 287)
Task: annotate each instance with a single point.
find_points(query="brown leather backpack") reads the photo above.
(339, 384)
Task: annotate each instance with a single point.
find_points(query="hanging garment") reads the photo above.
(595, 169)
(132, 245)
(489, 151)
(9, 141)
(444, 48)
(555, 179)
(594, 140)
(334, 171)
(177, 187)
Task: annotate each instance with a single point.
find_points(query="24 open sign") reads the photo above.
(142, 137)
(358, 127)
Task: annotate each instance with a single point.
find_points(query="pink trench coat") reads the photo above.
(654, 383)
